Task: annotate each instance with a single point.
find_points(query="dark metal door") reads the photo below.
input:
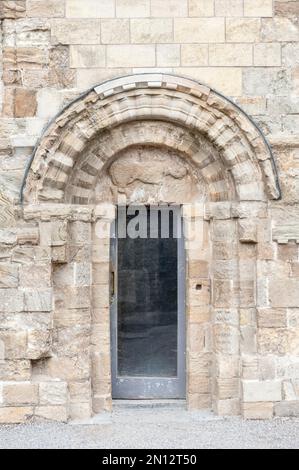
(148, 305)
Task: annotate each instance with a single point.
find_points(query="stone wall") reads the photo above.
(242, 351)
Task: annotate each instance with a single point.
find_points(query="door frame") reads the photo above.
(150, 387)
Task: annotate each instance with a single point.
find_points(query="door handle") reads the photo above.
(112, 285)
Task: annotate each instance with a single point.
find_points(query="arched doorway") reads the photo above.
(152, 139)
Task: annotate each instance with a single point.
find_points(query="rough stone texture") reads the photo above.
(150, 138)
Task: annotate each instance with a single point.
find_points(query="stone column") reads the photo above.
(104, 217)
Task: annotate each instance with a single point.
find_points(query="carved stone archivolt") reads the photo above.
(189, 124)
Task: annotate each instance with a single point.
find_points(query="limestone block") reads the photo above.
(289, 54)
(288, 252)
(226, 339)
(151, 30)
(176, 7)
(226, 316)
(32, 275)
(198, 292)
(268, 54)
(15, 415)
(198, 401)
(243, 29)
(228, 407)
(168, 55)
(249, 366)
(25, 103)
(277, 341)
(198, 314)
(12, 9)
(79, 391)
(80, 410)
(71, 317)
(248, 344)
(253, 104)
(53, 393)
(228, 7)
(194, 55)
(115, 31)
(26, 33)
(100, 273)
(225, 293)
(72, 297)
(69, 368)
(8, 275)
(287, 8)
(89, 8)
(193, 30)
(102, 403)
(15, 370)
(287, 408)
(288, 391)
(66, 31)
(39, 343)
(247, 231)
(225, 269)
(38, 300)
(48, 9)
(72, 340)
(257, 391)
(20, 393)
(11, 300)
(272, 318)
(201, 8)
(13, 344)
(227, 388)
(64, 275)
(266, 368)
(198, 384)
(257, 410)
(49, 102)
(131, 56)
(53, 413)
(284, 293)
(261, 8)
(264, 81)
(100, 296)
(227, 366)
(279, 29)
(132, 8)
(87, 56)
(80, 232)
(197, 269)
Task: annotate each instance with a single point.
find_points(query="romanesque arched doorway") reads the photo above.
(151, 139)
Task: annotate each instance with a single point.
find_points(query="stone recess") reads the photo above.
(152, 137)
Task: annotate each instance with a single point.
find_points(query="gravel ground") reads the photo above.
(158, 429)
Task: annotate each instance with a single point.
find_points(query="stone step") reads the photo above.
(148, 404)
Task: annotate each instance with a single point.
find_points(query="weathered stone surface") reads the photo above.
(25, 103)
(21, 393)
(15, 415)
(272, 318)
(8, 275)
(287, 408)
(53, 393)
(286, 297)
(256, 391)
(48, 9)
(67, 31)
(12, 9)
(38, 300)
(53, 413)
(115, 31)
(257, 410)
(190, 30)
